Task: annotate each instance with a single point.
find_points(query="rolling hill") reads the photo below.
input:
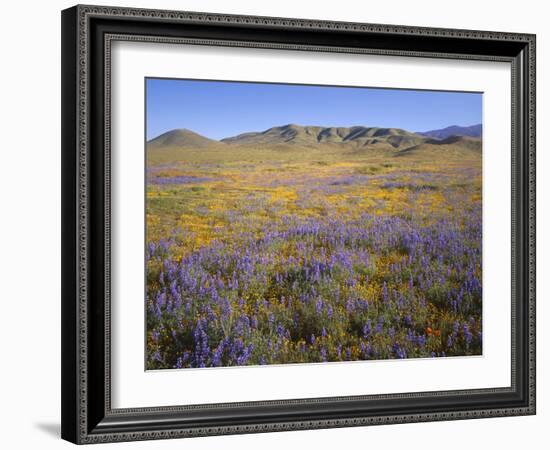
(358, 140)
(181, 138)
(313, 136)
(451, 147)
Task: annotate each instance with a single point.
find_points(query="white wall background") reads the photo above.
(30, 222)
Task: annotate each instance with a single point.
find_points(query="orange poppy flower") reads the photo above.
(429, 331)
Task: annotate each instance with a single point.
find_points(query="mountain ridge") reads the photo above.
(312, 136)
(454, 130)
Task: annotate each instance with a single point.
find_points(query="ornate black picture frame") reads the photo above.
(87, 34)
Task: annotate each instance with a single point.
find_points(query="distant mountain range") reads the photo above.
(357, 137)
(454, 130)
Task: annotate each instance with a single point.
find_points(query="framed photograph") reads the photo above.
(280, 224)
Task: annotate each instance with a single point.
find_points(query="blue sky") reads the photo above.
(222, 109)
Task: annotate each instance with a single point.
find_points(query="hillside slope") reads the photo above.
(181, 144)
(309, 136)
(451, 147)
(181, 138)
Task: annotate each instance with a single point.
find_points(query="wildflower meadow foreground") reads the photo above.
(262, 253)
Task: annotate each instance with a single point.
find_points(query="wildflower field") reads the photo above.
(258, 255)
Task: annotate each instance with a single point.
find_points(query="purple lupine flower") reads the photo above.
(155, 336)
(399, 351)
(421, 340)
(367, 329)
(385, 292)
(247, 352)
(456, 326)
(450, 341)
(319, 306)
(468, 336)
(379, 325)
(391, 333)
